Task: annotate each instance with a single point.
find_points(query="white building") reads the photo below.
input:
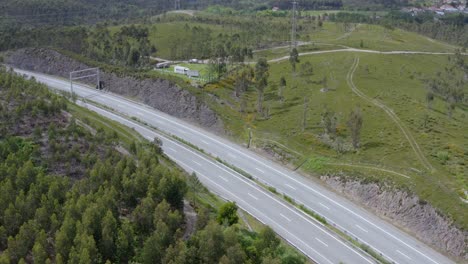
(181, 70)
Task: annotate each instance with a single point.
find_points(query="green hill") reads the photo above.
(395, 81)
(78, 188)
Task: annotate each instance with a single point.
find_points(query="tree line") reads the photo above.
(67, 195)
(452, 28)
(450, 84)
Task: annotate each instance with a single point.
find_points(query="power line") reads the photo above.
(294, 26)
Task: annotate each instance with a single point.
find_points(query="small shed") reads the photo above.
(181, 70)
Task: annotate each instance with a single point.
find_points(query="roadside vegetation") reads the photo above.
(311, 113)
(73, 192)
(396, 119)
(305, 113)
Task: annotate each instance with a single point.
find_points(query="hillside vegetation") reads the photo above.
(71, 191)
(300, 109)
(395, 119)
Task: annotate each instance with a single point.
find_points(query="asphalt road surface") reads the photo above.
(306, 234)
(384, 238)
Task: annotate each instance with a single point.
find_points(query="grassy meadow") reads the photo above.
(396, 81)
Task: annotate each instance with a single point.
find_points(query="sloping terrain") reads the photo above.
(158, 93)
(125, 203)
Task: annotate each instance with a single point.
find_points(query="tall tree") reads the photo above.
(228, 213)
(282, 86)
(108, 236)
(261, 80)
(304, 114)
(294, 59)
(329, 122)
(243, 80)
(355, 124)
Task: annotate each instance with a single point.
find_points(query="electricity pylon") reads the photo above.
(294, 26)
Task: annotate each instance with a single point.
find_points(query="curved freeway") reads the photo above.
(392, 243)
(304, 233)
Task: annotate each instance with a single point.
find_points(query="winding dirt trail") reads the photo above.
(391, 114)
(396, 52)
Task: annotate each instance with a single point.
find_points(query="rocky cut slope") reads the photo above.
(406, 211)
(158, 93)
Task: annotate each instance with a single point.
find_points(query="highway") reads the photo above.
(306, 234)
(394, 244)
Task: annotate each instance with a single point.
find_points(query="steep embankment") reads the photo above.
(158, 93)
(405, 210)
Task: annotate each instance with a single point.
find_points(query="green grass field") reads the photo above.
(395, 80)
(330, 36)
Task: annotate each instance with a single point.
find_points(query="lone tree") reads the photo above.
(431, 87)
(282, 86)
(243, 80)
(304, 114)
(329, 122)
(294, 58)
(355, 125)
(261, 80)
(228, 214)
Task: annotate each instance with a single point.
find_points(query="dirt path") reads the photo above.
(396, 52)
(370, 168)
(347, 34)
(391, 114)
(185, 12)
(190, 220)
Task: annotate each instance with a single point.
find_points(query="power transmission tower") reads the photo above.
(177, 4)
(294, 26)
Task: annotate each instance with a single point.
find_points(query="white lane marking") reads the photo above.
(324, 206)
(280, 226)
(171, 149)
(149, 138)
(297, 181)
(252, 196)
(323, 243)
(134, 104)
(243, 180)
(116, 98)
(403, 254)
(362, 240)
(198, 163)
(259, 170)
(358, 226)
(282, 215)
(235, 174)
(204, 142)
(182, 131)
(195, 171)
(290, 186)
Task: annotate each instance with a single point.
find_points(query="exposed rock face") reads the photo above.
(406, 211)
(158, 93)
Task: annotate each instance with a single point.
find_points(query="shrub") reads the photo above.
(443, 156)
